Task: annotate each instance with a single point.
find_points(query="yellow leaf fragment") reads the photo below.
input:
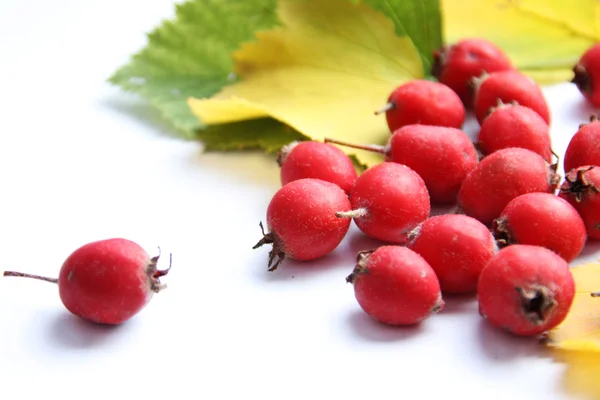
(582, 372)
(544, 38)
(324, 73)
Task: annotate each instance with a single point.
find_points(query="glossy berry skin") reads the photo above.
(584, 146)
(388, 201)
(526, 290)
(581, 188)
(442, 156)
(396, 286)
(311, 159)
(507, 87)
(542, 219)
(457, 64)
(499, 178)
(108, 281)
(587, 74)
(302, 222)
(457, 247)
(424, 102)
(515, 126)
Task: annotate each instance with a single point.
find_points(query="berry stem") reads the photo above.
(38, 277)
(368, 147)
(359, 212)
(385, 108)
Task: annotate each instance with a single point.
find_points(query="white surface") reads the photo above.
(81, 161)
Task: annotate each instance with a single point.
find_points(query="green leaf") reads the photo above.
(191, 55)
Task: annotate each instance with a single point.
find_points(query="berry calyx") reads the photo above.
(581, 189)
(586, 74)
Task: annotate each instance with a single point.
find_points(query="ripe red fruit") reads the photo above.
(302, 222)
(587, 74)
(542, 219)
(502, 176)
(395, 285)
(506, 87)
(526, 290)
(584, 146)
(455, 65)
(317, 160)
(581, 189)
(511, 125)
(388, 201)
(442, 156)
(106, 281)
(423, 102)
(457, 247)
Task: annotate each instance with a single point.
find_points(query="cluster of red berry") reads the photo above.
(515, 228)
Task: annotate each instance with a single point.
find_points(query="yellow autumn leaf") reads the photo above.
(581, 373)
(323, 72)
(544, 38)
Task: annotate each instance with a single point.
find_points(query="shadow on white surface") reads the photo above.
(459, 304)
(589, 252)
(502, 346)
(358, 241)
(368, 329)
(70, 331)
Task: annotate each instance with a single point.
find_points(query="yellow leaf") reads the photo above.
(582, 372)
(324, 73)
(544, 38)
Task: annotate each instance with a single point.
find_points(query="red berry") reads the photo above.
(388, 201)
(457, 64)
(587, 74)
(502, 176)
(302, 222)
(317, 160)
(542, 219)
(581, 189)
(506, 87)
(584, 146)
(526, 290)
(515, 126)
(423, 102)
(457, 247)
(106, 281)
(396, 286)
(442, 156)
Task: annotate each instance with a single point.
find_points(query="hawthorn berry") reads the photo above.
(525, 289)
(587, 74)
(106, 281)
(302, 223)
(512, 125)
(311, 159)
(506, 87)
(584, 146)
(542, 219)
(442, 156)
(395, 286)
(581, 188)
(502, 176)
(457, 247)
(456, 64)
(388, 201)
(423, 102)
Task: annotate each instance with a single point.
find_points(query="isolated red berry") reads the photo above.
(423, 102)
(542, 219)
(506, 87)
(388, 201)
(584, 146)
(106, 281)
(311, 159)
(511, 125)
(587, 74)
(457, 247)
(526, 290)
(395, 286)
(302, 223)
(442, 156)
(581, 189)
(502, 176)
(455, 65)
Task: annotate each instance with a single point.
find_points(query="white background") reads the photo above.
(81, 161)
